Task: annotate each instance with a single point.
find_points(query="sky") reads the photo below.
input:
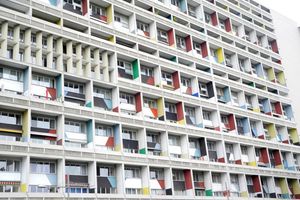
(288, 8)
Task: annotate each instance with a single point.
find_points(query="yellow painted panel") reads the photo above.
(60, 22)
(160, 107)
(256, 110)
(181, 122)
(252, 163)
(279, 167)
(112, 39)
(146, 191)
(271, 130)
(271, 74)
(25, 123)
(283, 186)
(296, 187)
(23, 187)
(294, 135)
(109, 14)
(281, 78)
(244, 194)
(220, 55)
(118, 147)
(10, 130)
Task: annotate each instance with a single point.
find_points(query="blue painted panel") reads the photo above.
(112, 180)
(245, 125)
(89, 125)
(259, 70)
(195, 94)
(183, 6)
(59, 86)
(117, 134)
(108, 103)
(226, 94)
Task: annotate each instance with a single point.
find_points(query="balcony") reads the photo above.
(98, 12)
(76, 7)
(103, 98)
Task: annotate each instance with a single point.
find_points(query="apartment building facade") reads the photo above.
(140, 99)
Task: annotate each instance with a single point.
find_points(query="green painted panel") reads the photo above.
(135, 67)
(208, 193)
(142, 151)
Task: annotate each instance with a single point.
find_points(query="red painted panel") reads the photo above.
(116, 109)
(51, 93)
(52, 131)
(217, 128)
(110, 142)
(285, 141)
(221, 160)
(227, 25)
(154, 112)
(214, 19)
(189, 91)
(176, 83)
(278, 108)
(180, 115)
(84, 7)
(297, 196)
(256, 184)
(200, 184)
(171, 37)
(264, 155)
(150, 80)
(188, 179)
(50, 138)
(277, 157)
(238, 162)
(279, 62)
(204, 50)
(138, 102)
(162, 183)
(231, 122)
(59, 142)
(274, 46)
(261, 137)
(188, 42)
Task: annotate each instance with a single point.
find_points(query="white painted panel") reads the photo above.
(217, 187)
(133, 183)
(147, 112)
(10, 176)
(38, 90)
(76, 136)
(175, 149)
(101, 140)
(126, 106)
(154, 184)
(278, 190)
(11, 85)
(244, 158)
(42, 179)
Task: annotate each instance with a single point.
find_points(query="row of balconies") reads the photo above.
(75, 133)
(89, 62)
(144, 27)
(36, 175)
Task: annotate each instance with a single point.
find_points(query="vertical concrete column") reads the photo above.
(4, 31)
(16, 46)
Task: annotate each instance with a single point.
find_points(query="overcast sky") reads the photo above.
(289, 8)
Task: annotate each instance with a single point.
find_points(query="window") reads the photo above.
(147, 71)
(229, 148)
(185, 82)
(156, 174)
(206, 115)
(203, 89)
(192, 11)
(190, 111)
(198, 177)
(10, 33)
(33, 39)
(102, 130)
(175, 3)
(74, 87)
(180, 41)
(207, 18)
(249, 180)
(167, 77)
(127, 98)
(142, 26)
(220, 92)
(129, 134)
(224, 119)
(234, 97)
(150, 103)
(10, 166)
(153, 137)
(43, 122)
(216, 178)
(122, 19)
(42, 80)
(162, 35)
(170, 108)
(42, 167)
(222, 24)
(193, 143)
(9, 188)
(97, 10)
(76, 169)
(11, 74)
(178, 175)
(239, 122)
(197, 47)
(244, 150)
(131, 172)
(105, 171)
(75, 127)
(174, 140)
(102, 93)
(127, 66)
(211, 146)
